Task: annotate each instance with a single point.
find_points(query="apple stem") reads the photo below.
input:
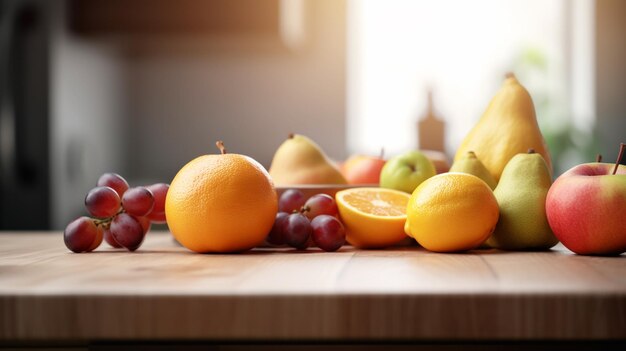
(598, 158)
(622, 146)
(220, 145)
(290, 136)
(382, 153)
(531, 151)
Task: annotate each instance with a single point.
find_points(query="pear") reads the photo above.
(508, 127)
(299, 160)
(521, 195)
(471, 164)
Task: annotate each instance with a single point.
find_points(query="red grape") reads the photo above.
(102, 202)
(108, 237)
(145, 223)
(159, 191)
(276, 237)
(80, 234)
(291, 200)
(297, 230)
(97, 241)
(320, 204)
(328, 232)
(158, 218)
(115, 181)
(138, 201)
(127, 231)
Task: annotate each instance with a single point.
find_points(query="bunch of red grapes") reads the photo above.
(301, 222)
(121, 215)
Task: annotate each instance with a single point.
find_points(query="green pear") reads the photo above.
(471, 164)
(521, 195)
(299, 160)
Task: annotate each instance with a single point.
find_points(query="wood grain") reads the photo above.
(164, 291)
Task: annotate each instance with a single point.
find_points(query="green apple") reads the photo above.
(405, 172)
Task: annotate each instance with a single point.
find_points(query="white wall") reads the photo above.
(250, 92)
(87, 101)
(610, 76)
(144, 107)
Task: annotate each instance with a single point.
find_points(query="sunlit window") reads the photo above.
(400, 49)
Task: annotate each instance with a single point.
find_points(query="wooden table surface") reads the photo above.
(163, 291)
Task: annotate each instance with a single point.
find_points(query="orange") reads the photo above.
(452, 212)
(221, 203)
(373, 217)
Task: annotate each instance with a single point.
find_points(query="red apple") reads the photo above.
(362, 169)
(586, 206)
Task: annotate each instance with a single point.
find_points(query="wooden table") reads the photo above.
(164, 292)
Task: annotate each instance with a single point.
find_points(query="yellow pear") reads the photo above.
(471, 164)
(299, 160)
(508, 127)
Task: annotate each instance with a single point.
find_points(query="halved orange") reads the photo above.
(373, 217)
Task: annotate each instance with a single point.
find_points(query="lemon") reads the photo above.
(452, 212)
(373, 217)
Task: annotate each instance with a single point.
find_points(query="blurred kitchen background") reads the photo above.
(140, 87)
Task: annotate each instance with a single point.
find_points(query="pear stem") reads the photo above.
(290, 136)
(509, 75)
(220, 145)
(598, 158)
(622, 146)
(531, 151)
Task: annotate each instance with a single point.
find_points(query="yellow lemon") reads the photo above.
(373, 217)
(452, 212)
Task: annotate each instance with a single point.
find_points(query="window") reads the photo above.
(399, 49)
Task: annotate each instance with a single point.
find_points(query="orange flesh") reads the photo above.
(377, 203)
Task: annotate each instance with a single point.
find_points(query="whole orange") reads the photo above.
(221, 203)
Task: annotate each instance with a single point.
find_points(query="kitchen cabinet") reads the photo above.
(152, 17)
